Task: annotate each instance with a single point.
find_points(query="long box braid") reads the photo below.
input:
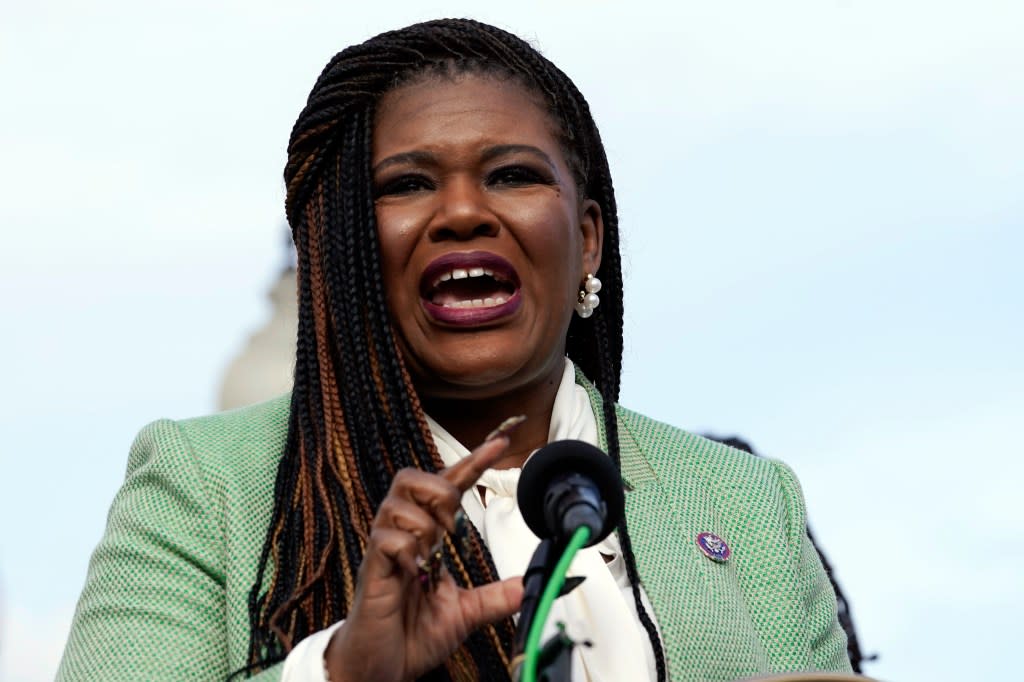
(355, 417)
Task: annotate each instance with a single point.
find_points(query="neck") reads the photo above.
(470, 421)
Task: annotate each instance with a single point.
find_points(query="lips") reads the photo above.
(469, 288)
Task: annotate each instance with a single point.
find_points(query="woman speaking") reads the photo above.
(460, 306)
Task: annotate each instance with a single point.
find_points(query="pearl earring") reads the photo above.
(588, 298)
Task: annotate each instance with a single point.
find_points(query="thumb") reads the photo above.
(488, 603)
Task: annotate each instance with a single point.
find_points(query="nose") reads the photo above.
(463, 213)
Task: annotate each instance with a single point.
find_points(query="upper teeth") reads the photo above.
(463, 273)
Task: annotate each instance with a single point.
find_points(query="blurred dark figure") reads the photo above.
(845, 617)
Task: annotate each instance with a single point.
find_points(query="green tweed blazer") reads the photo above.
(166, 597)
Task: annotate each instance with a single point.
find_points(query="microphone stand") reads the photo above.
(554, 660)
(536, 577)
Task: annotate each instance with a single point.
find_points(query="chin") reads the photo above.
(471, 382)
(469, 378)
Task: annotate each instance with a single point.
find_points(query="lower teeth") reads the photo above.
(477, 303)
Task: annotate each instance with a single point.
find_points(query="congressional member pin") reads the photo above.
(713, 547)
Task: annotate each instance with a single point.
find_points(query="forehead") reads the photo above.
(440, 112)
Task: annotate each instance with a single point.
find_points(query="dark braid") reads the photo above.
(355, 416)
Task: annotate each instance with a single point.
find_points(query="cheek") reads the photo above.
(547, 231)
(396, 234)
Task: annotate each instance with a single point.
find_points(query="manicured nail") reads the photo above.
(428, 571)
(506, 427)
(423, 573)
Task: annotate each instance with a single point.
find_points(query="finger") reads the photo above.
(491, 602)
(464, 473)
(401, 514)
(390, 549)
(432, 492)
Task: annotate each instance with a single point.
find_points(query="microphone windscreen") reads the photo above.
(557, 459)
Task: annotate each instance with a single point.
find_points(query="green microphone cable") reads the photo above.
(551, 591)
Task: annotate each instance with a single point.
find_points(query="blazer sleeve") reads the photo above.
(153, 606)
(827, 639)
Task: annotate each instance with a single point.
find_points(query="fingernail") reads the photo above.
(506, 427)
(428, 571)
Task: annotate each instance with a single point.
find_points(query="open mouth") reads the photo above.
(475, 282)
(472, 287)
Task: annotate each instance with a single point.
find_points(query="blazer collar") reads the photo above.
(636, 471)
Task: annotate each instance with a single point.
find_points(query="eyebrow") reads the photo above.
(405, 157)
(491, 153)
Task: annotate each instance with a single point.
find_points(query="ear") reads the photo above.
(592, 231)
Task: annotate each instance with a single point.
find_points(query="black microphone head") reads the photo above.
(557, 460)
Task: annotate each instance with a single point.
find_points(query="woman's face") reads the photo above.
(484, 239)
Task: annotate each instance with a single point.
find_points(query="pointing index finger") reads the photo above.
(464, 473)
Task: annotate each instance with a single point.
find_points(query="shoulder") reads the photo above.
(664, 445)
(178, 557)
(227, 449)
(241, 447)
(679, 458)
(243, 432)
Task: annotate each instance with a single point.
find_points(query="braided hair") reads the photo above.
(355, 416)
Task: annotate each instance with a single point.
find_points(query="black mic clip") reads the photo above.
(554, 664)
(572, 501)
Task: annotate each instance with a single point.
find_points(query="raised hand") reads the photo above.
(396, 630)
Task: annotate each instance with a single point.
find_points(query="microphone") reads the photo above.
(566, 485)
(569, 484)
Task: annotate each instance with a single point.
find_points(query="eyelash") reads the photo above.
(403, 184)
(514, 176)
(518, 175)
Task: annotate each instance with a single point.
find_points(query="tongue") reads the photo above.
(454, 291)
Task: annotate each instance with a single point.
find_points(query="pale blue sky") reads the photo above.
(822, 218)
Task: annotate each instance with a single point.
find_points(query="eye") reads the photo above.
(518, 176)
(409, 183)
